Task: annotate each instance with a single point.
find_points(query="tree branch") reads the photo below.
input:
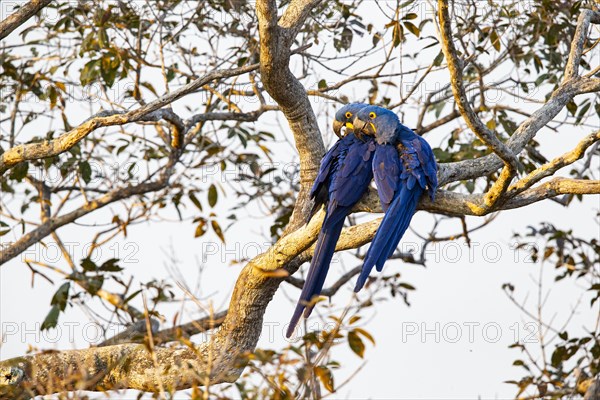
(54, 223)
(49, 148)
(551, 167)
(21, 16)
(581, 32)
(455, 69)
(288, 92)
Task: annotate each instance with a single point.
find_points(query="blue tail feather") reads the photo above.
(390, 231)
(319, 266)
(409, 208)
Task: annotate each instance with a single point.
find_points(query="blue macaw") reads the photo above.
(344, 176)
(404, 167)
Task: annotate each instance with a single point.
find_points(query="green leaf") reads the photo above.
(217, 228)
(495, 40)
(412, 28)
(470, 185)
(51, 319)
(103, 38)
(212, 195)
(86, 171)
(109, 69)
(366, 334)
(356, 343)
(200, 228)
(19, 171)
(90, 72)
(94, 284)
(111, 265)
(564, 335)
(326, 378)
(53, 96)
(397, 34)
(88, 265)
(61, 296)
(131, 296)
(376, 39)
(541, 79)
(582, 112)
(558, 355)
(437, 61)
(345, 41)
(322, 84)
(195, 200)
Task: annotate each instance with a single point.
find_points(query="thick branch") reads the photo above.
(112, 367)
(470, 169)
(288, 92)
(551, 167)
(21, 16)
(455, 69)
(581, 32)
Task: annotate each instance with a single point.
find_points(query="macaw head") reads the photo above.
(344, 117)
(376, 121)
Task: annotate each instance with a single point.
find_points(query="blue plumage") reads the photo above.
(404, 167)
(344, 176)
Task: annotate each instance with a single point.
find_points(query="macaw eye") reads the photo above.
(348, 115)
(372, 115)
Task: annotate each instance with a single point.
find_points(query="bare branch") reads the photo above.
(288, 92)
(550, 168)
(581, 32)
(553, 188)
(21, 16)
(469, 169)
(455, 69)
(593, 391)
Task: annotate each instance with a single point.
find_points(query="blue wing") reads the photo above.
(319, 192)
(386, 172)
(428, 163)
(348, 175)
(412, 177)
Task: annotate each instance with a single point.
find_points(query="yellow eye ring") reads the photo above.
(348, 114)
(372, 115)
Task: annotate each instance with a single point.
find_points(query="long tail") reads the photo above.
(402, 226)
(392, 228)
(319, 266)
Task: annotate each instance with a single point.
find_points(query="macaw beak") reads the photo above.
(359, 126)
(337, 128)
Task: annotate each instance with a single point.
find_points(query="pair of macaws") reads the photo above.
(375, 146)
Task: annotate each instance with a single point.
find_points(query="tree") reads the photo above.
(237, 63)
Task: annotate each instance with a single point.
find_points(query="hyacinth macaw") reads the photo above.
(404, 167)
(343, 178)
